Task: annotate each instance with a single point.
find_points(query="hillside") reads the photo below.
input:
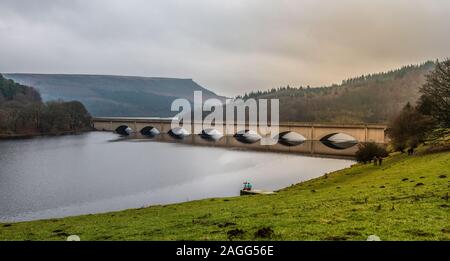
(372, 98)
(11, 91)
(105, 95)
(22, 113)
(405, 199)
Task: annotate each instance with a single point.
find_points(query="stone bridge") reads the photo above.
(311, 131)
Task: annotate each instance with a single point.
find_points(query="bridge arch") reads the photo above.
(123, 130)
(150, 131)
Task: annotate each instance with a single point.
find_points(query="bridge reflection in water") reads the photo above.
(302, 138)
(307, 147)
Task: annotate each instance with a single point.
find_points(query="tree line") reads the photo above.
(428, 120)
(371, 98)
(22, 112)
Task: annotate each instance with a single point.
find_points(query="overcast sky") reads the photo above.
(228, 46)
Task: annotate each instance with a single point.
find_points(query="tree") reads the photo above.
(367, 151)
(409, 128)
(435, 99)
(79, 116)
(22, 112)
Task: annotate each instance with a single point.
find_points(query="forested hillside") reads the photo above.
(22, 112)
(373, 98)
(109, 95)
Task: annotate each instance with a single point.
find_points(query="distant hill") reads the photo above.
(373, 98)
(105, 95)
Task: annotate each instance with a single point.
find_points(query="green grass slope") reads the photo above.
(405, 199)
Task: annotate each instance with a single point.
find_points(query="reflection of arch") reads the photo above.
(247, 136)
(150, 131)
(211, 134)
(123, 130)
(328, 136)
(345, 143)
(290, 138)
(178, 133)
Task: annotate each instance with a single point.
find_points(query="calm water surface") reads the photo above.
(95, 172)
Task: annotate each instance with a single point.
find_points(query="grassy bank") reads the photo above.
(405, 199)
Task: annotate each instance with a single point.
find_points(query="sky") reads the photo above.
(228, 46)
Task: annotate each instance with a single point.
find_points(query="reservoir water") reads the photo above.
(97, 172)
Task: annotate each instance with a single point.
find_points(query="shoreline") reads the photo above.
(32, 135)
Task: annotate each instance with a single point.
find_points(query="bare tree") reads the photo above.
(435, 99)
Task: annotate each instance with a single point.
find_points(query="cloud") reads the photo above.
(228, 46)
